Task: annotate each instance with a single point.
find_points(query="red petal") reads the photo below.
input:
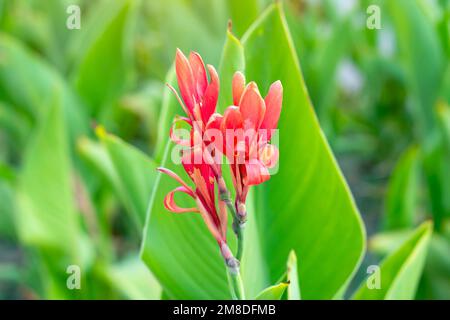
(213, 134)
(177, 139)
(212, 226)
(273, 102)
(255, 173)
(232, 121)
(232, 118)
(252, 107)
(209, 102)
(238, 86)
(199, 73)
(185, 79)
(177, 178)
(169, 201)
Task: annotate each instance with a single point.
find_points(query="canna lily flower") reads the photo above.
(199, 97)
(247, 127)
(199, 100)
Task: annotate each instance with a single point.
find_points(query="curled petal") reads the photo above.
(199, 73)
(209, 101)
(169, 201)
(175, 138)
(252, 107)
(238, 86)
(185, 79)
(255, 173)
(273, 103)
(177, 178)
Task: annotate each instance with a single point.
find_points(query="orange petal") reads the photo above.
(199, 73)
(209, 102)
(212, 227)
(255, 173)
(177, 139)
(169, 201)
(232, 121)
(185, 79)
(238, 86)
(273, 103)
(252, 107)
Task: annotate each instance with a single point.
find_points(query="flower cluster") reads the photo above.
(241, 135)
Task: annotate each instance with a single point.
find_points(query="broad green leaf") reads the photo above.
(402, 192)
(273, 293)
(418, 41)
(435, 282)
(293, 290)
(38, 83)
(232, 60)
(130, 172)
(306, 206)
(436, 161)
(132, 278)
(136, 172)
(101, 73)
(47, 216)
(242, 14)
(401, 270)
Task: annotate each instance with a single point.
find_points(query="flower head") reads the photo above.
(247, 128)
(199, 100)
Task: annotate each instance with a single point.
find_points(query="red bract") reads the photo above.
(247, 128)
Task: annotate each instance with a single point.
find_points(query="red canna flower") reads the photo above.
(199, 97)
(199, 100)
(247, 127)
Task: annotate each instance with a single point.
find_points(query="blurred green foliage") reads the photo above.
(84, 118)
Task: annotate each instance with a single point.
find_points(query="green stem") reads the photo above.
(238, 229)
(235, 284)
(234, 276)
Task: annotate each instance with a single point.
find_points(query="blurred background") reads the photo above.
(382, 97)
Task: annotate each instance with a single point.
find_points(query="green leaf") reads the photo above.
(293, 290)
(402, 192)
(47, 216)
(38, 84)
(401, 270)
(306, 206)
(132, 278)
(130, 171)
(136, 172)
(101, 73)
(242, 14)
(232, 60)
(418, 39)
(273, 293)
